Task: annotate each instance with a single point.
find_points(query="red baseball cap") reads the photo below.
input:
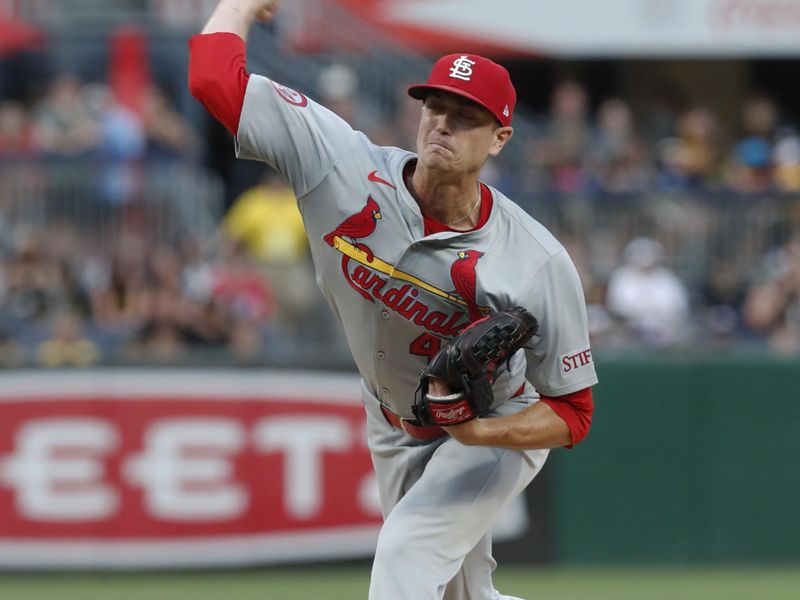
(475, 78)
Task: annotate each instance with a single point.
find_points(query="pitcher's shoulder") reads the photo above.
(394, 158)
(520, 224)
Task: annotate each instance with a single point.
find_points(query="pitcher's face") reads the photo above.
(457, 135)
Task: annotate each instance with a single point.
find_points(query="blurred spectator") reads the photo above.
(12, 353)
(772, 306)
(197, 274)
(209, 327)
(689, 162)
(121, 137)
(245, 343)
(750, 165)
(266, 221)
(121, 144)
(158, 342)
(406, 121)
(602, 330)
(722, 294)
(66, 345)
(34, 281)
(664, 102)
(63, 124)
(616, 159)
(164, 299)
(649, 298)
(402, 127)
(565, 138)
(338, 88)
(240, 289)
(117, 286)
(169, 135)
(786, 161)
(16, 136)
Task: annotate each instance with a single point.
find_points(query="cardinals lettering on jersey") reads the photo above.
(366, 278)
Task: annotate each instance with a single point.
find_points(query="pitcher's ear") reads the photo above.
(501, 137)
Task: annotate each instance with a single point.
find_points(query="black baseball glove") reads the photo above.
(467, 365)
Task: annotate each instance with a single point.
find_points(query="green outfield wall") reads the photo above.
(688, 460)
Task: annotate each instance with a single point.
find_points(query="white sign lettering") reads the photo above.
(303, 440)
(57, 472)
(186, 469)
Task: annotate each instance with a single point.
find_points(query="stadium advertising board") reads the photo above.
(141, 469)
(177, 469)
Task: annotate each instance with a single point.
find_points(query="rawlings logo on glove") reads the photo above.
(468, 364)
(448, 413)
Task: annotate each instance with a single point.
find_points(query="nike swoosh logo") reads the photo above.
(374, 177)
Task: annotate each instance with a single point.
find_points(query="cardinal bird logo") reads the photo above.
(462, 272)
(358, 226)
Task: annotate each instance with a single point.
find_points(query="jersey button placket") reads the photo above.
(382, 337)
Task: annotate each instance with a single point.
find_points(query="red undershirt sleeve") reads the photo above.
(218, 75)
(576, 410)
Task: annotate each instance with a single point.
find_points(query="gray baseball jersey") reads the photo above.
(399, 294)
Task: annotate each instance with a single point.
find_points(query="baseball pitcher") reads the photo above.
(465, 317)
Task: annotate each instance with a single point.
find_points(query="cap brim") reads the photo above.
(420, 90)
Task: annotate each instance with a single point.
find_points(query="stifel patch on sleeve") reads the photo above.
(575, 360)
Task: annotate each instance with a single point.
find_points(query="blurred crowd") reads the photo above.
(645, 304)
(68, 300)
(246, 294)
(574, 149)
(676, 150)
(73, 119)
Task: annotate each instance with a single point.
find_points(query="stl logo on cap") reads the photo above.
(462, 68)
(475, 78)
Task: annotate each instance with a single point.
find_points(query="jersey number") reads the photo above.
(426, 345)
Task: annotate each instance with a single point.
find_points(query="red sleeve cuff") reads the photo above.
(576, 410)
(218, 75)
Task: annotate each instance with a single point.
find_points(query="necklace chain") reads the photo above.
(471, 210)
